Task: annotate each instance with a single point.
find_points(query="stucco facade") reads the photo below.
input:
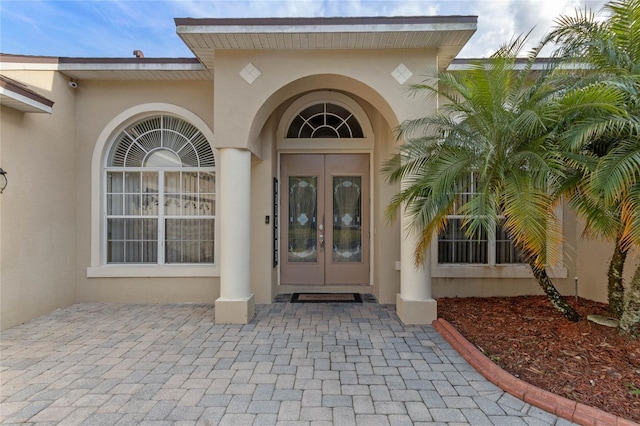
(52, 215)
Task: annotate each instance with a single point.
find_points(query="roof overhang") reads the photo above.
(135, 69)
(112, 68)
(20, 97)
(448, 34)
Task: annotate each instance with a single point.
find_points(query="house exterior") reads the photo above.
(248, 171)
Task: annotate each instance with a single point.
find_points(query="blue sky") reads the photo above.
(114, 28)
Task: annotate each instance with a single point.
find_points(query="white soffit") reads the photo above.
(18, 96)
(448, 34)
(135, 69)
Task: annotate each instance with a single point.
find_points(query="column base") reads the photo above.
(416, 312)
(235, 311)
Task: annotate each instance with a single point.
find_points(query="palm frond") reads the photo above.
(630, 216)
(617, 170)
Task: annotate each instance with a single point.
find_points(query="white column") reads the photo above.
(236, 303)
(415, 280)
(414, 303)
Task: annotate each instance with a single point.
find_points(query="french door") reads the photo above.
(324, 219)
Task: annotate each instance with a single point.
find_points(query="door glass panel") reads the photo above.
(347, 219)
(302, 219)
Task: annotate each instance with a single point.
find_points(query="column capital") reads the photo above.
(225, 146)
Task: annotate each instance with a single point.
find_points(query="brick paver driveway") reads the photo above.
(301, 364)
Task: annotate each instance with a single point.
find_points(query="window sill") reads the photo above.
(493, 271)
(152, 271)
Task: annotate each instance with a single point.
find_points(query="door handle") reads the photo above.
(321, 236)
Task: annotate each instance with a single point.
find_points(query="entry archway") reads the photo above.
(325, 143)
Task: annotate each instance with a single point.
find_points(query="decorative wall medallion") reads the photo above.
(401, 73)
(250, 73)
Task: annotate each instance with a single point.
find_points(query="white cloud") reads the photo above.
(412, 8)
(116, 27)
(305, 8)
(248, 9)
(501, 20)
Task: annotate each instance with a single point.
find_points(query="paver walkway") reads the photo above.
(306, 364)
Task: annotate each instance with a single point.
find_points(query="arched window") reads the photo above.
(160, 194)
(324, 120)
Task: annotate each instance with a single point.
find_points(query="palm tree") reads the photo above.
(499, 126)
(617, 179)
(608, 193)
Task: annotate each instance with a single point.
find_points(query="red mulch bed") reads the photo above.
(526, 336)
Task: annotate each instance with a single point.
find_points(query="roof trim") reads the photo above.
(10, 57)
(252, 24)
(59, 63)
(130, 64)
(18, 96)
(111, 68)
(29, 59)
(142, 61)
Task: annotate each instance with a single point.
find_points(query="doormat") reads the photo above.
(326, 298)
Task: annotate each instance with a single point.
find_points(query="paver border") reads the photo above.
(545, 400)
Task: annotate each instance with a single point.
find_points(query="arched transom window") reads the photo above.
(324, 120)
(160, 194)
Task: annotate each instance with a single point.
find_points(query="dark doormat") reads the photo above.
(326, 298)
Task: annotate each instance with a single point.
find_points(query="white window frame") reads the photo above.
(307, 122)
(491, 269)
(161, 216)
(364, 144)
(99, 267)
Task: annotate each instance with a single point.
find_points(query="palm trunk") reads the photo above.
(559, 302)
(615, 285)
(630, 319)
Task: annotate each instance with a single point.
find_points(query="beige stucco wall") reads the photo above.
(244, 108)
(264, 277)
(99, 102)
(593, 262)
(37, 210)
(386, 234)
